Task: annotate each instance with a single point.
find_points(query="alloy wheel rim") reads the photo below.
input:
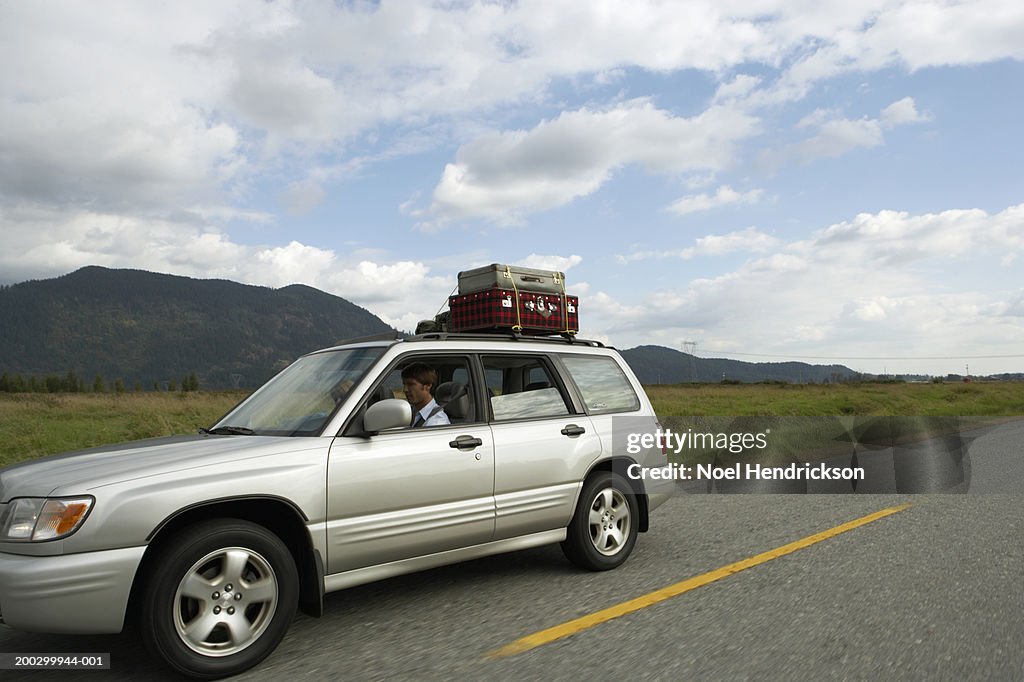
(225, 601)
(609, 521)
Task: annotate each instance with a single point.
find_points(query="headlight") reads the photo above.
(36, 518)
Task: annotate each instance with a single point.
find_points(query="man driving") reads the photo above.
(419, 381)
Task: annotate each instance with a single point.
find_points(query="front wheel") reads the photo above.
(605, 524)
(220, 598)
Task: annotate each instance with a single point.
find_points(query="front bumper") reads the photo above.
(69, 593)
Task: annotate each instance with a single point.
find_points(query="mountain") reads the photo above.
(146, 327)
(660, 365)
(143, 327)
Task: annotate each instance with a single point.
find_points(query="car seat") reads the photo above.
(453, 396)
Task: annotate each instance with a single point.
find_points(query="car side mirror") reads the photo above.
(387, 414)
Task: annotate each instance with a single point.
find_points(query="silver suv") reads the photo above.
(317, 482)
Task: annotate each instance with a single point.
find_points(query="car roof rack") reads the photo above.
(507, 335)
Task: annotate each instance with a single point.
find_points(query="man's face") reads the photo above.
(416, 393)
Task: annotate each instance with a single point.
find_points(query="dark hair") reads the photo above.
(423, 373)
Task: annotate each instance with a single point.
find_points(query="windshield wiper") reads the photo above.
(228, 431)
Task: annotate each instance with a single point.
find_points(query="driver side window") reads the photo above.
(453, 392)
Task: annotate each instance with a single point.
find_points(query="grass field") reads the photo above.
(996, 399)
(33, 425)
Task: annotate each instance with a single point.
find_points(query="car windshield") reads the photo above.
(301, 399)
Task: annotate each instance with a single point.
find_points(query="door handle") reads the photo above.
(465, 443)
(573, 430)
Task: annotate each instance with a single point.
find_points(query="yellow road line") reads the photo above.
(585, 622)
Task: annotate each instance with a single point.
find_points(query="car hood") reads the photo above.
(78, 472)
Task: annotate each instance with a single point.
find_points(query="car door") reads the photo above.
(542, 445)
(409, 492)
(606, 392)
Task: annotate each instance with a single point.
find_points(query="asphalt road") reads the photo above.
(932, 592)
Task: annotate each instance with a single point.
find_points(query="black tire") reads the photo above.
(605, 524)
(194, 612)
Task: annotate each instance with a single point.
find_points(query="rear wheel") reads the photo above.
(605, 525)
(219, 599)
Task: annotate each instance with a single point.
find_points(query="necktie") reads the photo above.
(417, 421)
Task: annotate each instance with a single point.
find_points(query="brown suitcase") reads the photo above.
(500, 276)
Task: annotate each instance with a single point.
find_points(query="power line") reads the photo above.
(690, 348)
(862, 357)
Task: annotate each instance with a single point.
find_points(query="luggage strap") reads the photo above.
(565, 309)
(518, 327)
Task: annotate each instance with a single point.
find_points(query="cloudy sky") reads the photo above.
(770, 179)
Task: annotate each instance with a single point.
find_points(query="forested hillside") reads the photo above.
(146, 328)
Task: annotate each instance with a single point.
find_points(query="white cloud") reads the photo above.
(1015, 306)
(835, 136)
(401, 292)
(750, 240)
(130, 133)
(825, 40)
(903, 112)
(502, 176)
(927, 34)
(127, 104)
(557, 263)
(897, 237)
(294, 263)
(874, 309)
(866, 287)
(737, 89)
(704, 202)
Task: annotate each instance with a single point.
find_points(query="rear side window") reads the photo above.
(522, 387)
(604, 386)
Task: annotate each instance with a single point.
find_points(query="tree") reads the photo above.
(97, 385)
(172, 385)
(190, 383)
(71, 382)
(118, 386)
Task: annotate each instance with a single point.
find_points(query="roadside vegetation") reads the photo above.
(978, 399)
(37, 424)
(34, 424)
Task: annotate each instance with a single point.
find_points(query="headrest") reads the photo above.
(454, 398)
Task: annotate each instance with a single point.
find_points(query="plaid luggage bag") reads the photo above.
(536, 312)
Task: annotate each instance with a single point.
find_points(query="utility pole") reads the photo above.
(690, 348)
